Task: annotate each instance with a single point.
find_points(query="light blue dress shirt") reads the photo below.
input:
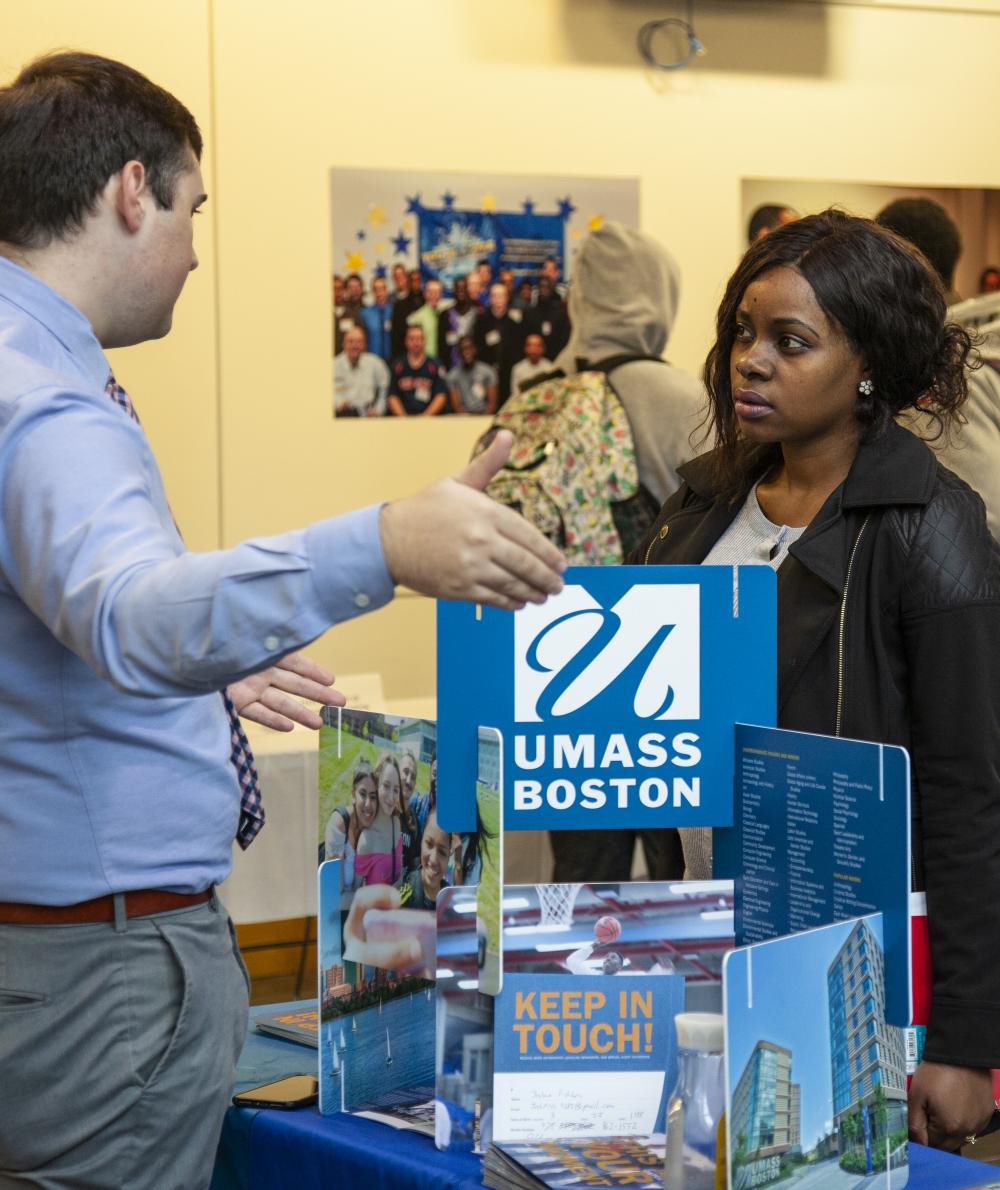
(115, 639)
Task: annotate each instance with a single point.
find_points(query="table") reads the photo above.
(275, 1150)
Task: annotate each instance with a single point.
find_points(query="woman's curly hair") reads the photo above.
(884, 296)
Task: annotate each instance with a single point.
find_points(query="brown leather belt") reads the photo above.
(137, 904)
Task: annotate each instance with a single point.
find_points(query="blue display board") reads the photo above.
(821, 834)
(616, 699)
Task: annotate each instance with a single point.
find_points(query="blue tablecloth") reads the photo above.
(280, 1150)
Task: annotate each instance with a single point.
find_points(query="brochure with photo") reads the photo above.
(815, 1078)
(633, 1161)
(301, 1026)
(377, 906)
(464, 1062)
(821, 833)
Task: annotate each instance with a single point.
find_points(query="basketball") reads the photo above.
(607, 929)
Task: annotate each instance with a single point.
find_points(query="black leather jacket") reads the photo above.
(889, 630)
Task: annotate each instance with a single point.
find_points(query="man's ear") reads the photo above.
(131, 194)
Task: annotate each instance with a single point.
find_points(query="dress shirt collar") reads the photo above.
(59, 317)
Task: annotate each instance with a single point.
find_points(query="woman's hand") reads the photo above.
(949, 1104)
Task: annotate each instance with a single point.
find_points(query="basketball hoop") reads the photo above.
(555, 903)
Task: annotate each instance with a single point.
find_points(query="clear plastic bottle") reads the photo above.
(697, 1103)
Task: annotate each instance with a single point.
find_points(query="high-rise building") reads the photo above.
(766, 1115)
(865, 1052)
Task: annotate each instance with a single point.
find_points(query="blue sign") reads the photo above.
(452, 242)
(616, 699)
(821, 834)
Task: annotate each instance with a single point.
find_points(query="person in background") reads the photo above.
(768, 218)
(360, 379)
(426, 880)
(475, 288)
(484, 270)
(401, 283)
(125, 657)
(349, 316)
(524, 295)
(411, 832)
(428, 316)
(623, 304)
(473, 383)
(345, 824)
(379, 853)
(548, 317)
(989, 280)
(417, 387)
(550, 272)
(526, 371)
(499, 339)
(403, 306)
(459, 319)
(971, 446)
(888, 580)
(928, 225)
(338, 307)
(506, 279)
(377, 320)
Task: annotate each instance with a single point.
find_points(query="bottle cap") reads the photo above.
(701, 1031)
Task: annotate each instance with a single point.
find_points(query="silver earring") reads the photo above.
(865, 387)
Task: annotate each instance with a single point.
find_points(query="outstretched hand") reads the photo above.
(266, 697)
(453, 542)
(949, 1104)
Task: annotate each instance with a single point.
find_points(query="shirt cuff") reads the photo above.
(347, 564)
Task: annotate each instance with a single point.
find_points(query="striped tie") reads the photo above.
(251, 804)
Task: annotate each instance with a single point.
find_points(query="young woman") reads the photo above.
(379, 857)
(411, 831)
(427, 880)
(345, 824)
(888, 580)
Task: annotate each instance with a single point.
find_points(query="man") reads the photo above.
(377, 320)
(403, 307)
(766, 218)
(475, 287)
(417, 387)
(457, 320)
(526, 371)
(972, 449)
(548, 317)
(484, 270)
(473, 384)
(360, 379)
(428, 315)
(499, 338)
(550, 272)
(927, 224)
(349, 315)
(119, 789)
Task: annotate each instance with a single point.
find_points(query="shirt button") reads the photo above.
(361, 599)
(271, 643)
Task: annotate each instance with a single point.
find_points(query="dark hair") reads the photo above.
(68, 123)
(884, 297)
(929, 227)
(765, 218)
(354, 277)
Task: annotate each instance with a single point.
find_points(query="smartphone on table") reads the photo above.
(298, 1090)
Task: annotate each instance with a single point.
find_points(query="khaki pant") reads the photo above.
(118, 1047)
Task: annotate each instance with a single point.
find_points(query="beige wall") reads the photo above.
(286, 91)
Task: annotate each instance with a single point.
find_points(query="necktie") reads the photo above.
(241, 755)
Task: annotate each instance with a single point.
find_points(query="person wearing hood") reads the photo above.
(622, 306)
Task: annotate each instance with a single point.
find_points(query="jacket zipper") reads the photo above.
(663, 531)
(843, 624)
